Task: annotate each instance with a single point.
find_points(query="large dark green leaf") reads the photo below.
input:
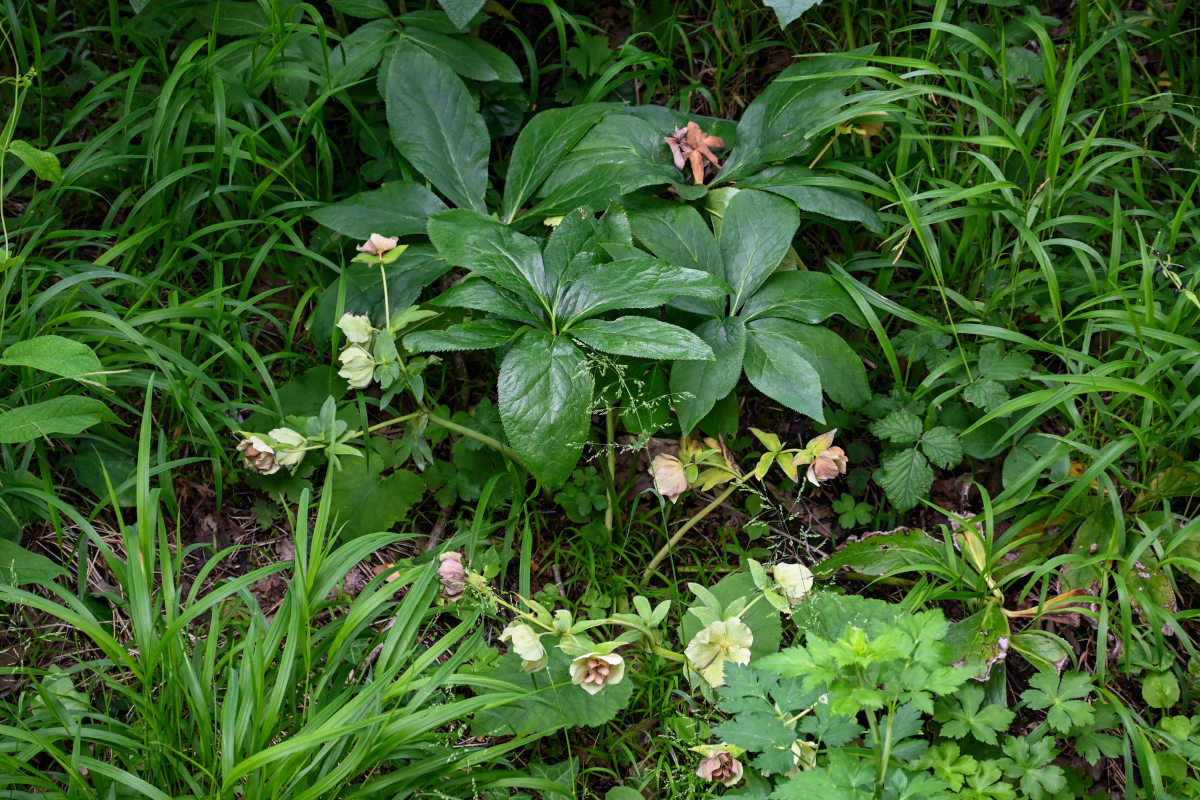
(19, 566)
(841, 371)
(492, 249)
(369, 501)
(479, 294)
(816, 193)
(756, 233)
(435, 125)
(361, 287)
(57, 355)
(398, 208)
(545, 393)
(790, 10)
(634, 283)
(779, 368)
(781, 121)
(803, 296)
(470, 57)
(543, 142)
(62, 415)
(478, 334)
(903, 550)
(677, 233)
(575, 234)
(697, 385)
(461, 12)
(641, 337)
(620, 154)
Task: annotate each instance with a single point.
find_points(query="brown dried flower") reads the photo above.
(721, 767)
(378, 244)
(258, 455)
(693, 146)
(453, 575)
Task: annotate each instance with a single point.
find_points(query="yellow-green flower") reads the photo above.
(795, 581)
(526, 644)
(358, 366)
(723, 640)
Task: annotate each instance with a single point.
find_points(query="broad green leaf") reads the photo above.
(461, 12)
(803, 296)
(779, 368)
(19, 566)
(397, 208)
(789, 11)
(98, 463)
(906, 477)
(435, 126)
(574, 236)
(367, 501)
(697, 385)
(900, 427)
(57, 355)
(620, 154)
(1160, 689)
(542, 143)
(479, 334)
(490, 248)
(361, 288)
(758, 732)
(641, 337)
(676, 232)
(360, 52)
(481, 295)
(981, 639)
(761, 618)
(363, 9)
(469, 57)
(545, 392)
(798, 105)
(756, 233)
(66, 415)
(998, 365)
(893, 553)
(1044, 650)
(940, 445)
(633, 283)
(842, 374)
(44, 164)
(816, 194)
(986, 394)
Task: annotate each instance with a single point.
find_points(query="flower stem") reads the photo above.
(473, 434)
(691, 523)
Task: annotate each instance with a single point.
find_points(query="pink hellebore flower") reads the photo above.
(258, 455)
(828, 462)
(377, 245)
(669, 478)
(594, 671)
(721, 767)
(453, 575)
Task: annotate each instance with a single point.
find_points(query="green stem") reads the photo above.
(611, 462)
(393, 421)
(691, 523)
(473, 434)
(884, 756)
(387, 306)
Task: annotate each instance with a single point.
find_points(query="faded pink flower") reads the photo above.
(258, 455)
(669, 478)
(721, 767)
(453, 575)
(827, 462)
(594, 671)
(377, 245)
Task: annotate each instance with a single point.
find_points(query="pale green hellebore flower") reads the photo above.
(289, 447)
(356, 327)
(723, 640)
(527, 644)
(358, 366)
(795, 581)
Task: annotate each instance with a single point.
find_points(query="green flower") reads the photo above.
(357, 366)
(356, 327)
(289, 447)
(723, 640)
(795, 581)
(527, 644)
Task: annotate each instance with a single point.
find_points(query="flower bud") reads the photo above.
(453, 575)
(358, 366)
(594, 671)
(377, 245)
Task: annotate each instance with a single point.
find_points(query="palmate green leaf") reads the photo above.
(965, 713)
(941, 446)
(620, 154)
(66, 415)
(676, 232)
(641, 337)
(641, 282)
(906, 477)
(479, 334)
(490, 248)
(545, 393)
(1062, 697)
(542, 143)
(369, 501)
(846, 777)
(795, 107)
(757, 731)
(57, 355)
(697, 385)
(803, 187)
(779, 368)
(480, 295)
(397, 208)
(803, 296)
(756, 232)
(435, 126)
(461, 12)
(842, 374)
(469, 57)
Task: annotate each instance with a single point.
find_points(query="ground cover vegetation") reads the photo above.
(623, 400)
